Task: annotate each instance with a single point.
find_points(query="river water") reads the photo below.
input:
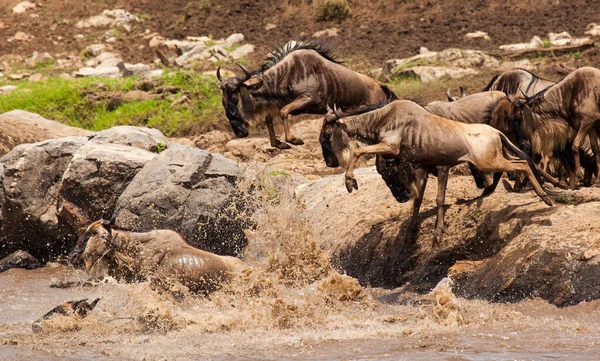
(290, 304)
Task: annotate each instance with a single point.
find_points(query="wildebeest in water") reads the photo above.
(298, 78)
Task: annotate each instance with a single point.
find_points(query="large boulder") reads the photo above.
(19, 126)
(31, 182)
(192, 192)
(97, 174)
(506, 247)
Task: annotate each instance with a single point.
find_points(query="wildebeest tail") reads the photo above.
(522, 155)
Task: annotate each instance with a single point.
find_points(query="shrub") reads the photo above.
(331, 10)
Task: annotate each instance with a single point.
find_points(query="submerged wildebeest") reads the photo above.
(162, 254)
(78, 308)
(405, 131)
(575, 100)
(298, 78)
(515, 81)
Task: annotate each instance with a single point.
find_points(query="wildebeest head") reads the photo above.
(236, 99)
(518, 113)
(92, 245)
(333, 140)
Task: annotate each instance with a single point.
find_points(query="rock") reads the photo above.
(18, 127)
(235, 39)
(96, 49)
(139, 137)
(65, 76)
(37, 58)
(200, 51)
(477, 35)
(559, 36)
(111, 40)
(79, 36)
(32, 177)
(22, 7)
(122, 17)
(156, 41)
(36, 77)
(7, 89)
(137, 69)
(18, 76)
(430, 73)
(21, 36)
(190, 191)
(503, 248)
(326, 33)
(270, 26)
(242, 51)
(593, 29)
(95, 21)
(101, 72)
(95, 177)
(203, 39)
(19, 259)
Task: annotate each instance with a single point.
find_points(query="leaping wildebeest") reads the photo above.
(405, 131)
(298, 78)
(576, 100)
(515, 81)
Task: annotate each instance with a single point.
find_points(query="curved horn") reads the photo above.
(337, 115)
(525, 95)
(219, 74)
(247, 72)
(462, 91)
(449, 95)
(329, 110)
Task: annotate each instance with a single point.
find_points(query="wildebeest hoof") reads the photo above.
(296, 141)
(547, 200)
(563, 185)
(283, 145)
(507, 186)
(351, 183)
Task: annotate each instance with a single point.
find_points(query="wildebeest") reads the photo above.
(405, 131)
(515, 81)
(300, 77)
(163, 254)
(449, 96)
(575, 100)
(78, 308)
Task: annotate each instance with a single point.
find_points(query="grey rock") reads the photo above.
(97, 174)
(242, 51)
(19, 259)
(190, 191)
(139, 137)
(31, 181)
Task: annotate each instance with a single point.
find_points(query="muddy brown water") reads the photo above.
(290, 304)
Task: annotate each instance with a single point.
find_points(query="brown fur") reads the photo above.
(576, 101)
(160, 253)
(407, 132)
(298, 79)
(515, 81)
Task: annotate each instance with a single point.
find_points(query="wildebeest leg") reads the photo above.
(596, 151)
(380, 148)
(272, 137)
(441, 197)
(583, 131)
(413, 224)
(478, 176)
(502, 164)
(492, 187)
(285, 113)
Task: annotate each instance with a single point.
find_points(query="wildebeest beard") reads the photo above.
(330, 159)
(235, 118)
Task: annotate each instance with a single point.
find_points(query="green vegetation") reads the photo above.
(546, 43)
(160, 146)
(278, 172)
(84, 102)
(327, 10)
(564, 199)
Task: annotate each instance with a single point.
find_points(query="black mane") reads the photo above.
(326, 51)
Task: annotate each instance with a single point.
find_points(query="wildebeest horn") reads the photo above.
(337, 115)
(219, 74)
(462, 91)
(449, 95)
(329, 110)
(247, 72)
(525, 95)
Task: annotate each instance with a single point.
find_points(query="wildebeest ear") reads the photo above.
(254, 83)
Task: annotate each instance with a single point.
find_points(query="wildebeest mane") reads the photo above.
(326, 51)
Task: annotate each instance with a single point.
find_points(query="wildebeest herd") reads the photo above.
(535, 129)
(519, 123)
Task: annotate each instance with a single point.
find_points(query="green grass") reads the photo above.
(67, 101)
(279, 172)
(546, 43)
